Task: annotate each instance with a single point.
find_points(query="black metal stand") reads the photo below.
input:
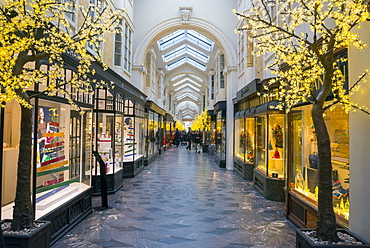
(103, 183)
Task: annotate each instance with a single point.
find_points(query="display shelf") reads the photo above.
(49, 203)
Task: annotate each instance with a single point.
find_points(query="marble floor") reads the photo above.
(183, 199)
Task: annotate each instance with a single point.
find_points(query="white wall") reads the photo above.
(360, 143)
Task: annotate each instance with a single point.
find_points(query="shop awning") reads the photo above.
(249, 112)
(268, 107)
(239, 114)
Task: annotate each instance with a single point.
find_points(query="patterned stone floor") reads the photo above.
(183, 200)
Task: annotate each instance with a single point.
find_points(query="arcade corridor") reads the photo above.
(183, 199)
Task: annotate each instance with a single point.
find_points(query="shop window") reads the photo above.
(63, 159)
(220, 136)
(304, 177)
(270, 150)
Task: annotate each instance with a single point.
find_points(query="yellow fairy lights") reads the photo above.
(303, 38)
(36, 30)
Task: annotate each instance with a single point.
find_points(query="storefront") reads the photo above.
(62, 157)
(303, 163)
(108, 114)
(259, 140)
(121, 113)
(220, 142)
(134, 129)
(154, 136)
(303, 167)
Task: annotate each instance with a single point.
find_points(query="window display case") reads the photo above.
(221, 139)
(303, 175)
(108, 140)
(133, 139)
(244, 144)
(62, 141)
(152, 138)
(269, 172)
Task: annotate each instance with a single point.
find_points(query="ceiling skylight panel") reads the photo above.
(171, 40)
(195, 63)
(198, 54)
(187, 85)
(196, 77)
(187, 95)
(175, 53)
(177, 63)
(187, 79)
(188, 60)
(200, 40)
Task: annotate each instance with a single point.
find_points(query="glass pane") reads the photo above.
(239, 139)
(105, 143)
(275, 146)
(118, 142)
(261, 122)
(140, 136)
(249, 140)
(129, 139)
(63, 152)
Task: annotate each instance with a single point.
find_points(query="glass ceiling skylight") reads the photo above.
(185, 75)
(189, 35)
(187, 85)
(184, 60)
(185, 49)
(192, 96)
(189, 80)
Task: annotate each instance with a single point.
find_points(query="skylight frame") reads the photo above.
(183, 60)
(185, 49)
(185, 85)
(189, 80)
(185, 34)
(195, 98)
(185, 75)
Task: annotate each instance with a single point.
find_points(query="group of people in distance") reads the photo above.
(189, 138)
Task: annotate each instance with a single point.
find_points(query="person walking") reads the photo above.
(177, 138)
(189, 138)
(197, 141)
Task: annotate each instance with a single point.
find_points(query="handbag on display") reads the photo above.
(313, 160)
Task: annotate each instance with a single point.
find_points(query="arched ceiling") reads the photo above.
(186, 56)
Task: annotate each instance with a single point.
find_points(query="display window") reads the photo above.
(270, 145)
(152, 141)
(304, 167)
(239, 149)
(62, 140)
(244, 139)
(133, 131)
(220, 136)
(109, 132)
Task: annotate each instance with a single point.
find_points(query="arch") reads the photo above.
(197, 24)
(186, 104)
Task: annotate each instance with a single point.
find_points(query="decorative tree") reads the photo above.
(277, 135)
(34, 30)
(201, 122)
(303, 37)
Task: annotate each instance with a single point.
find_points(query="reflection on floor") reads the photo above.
(183, 199)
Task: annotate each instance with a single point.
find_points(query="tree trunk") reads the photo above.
(23, 214)
(326, 222)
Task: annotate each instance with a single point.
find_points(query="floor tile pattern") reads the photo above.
(184, 200)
